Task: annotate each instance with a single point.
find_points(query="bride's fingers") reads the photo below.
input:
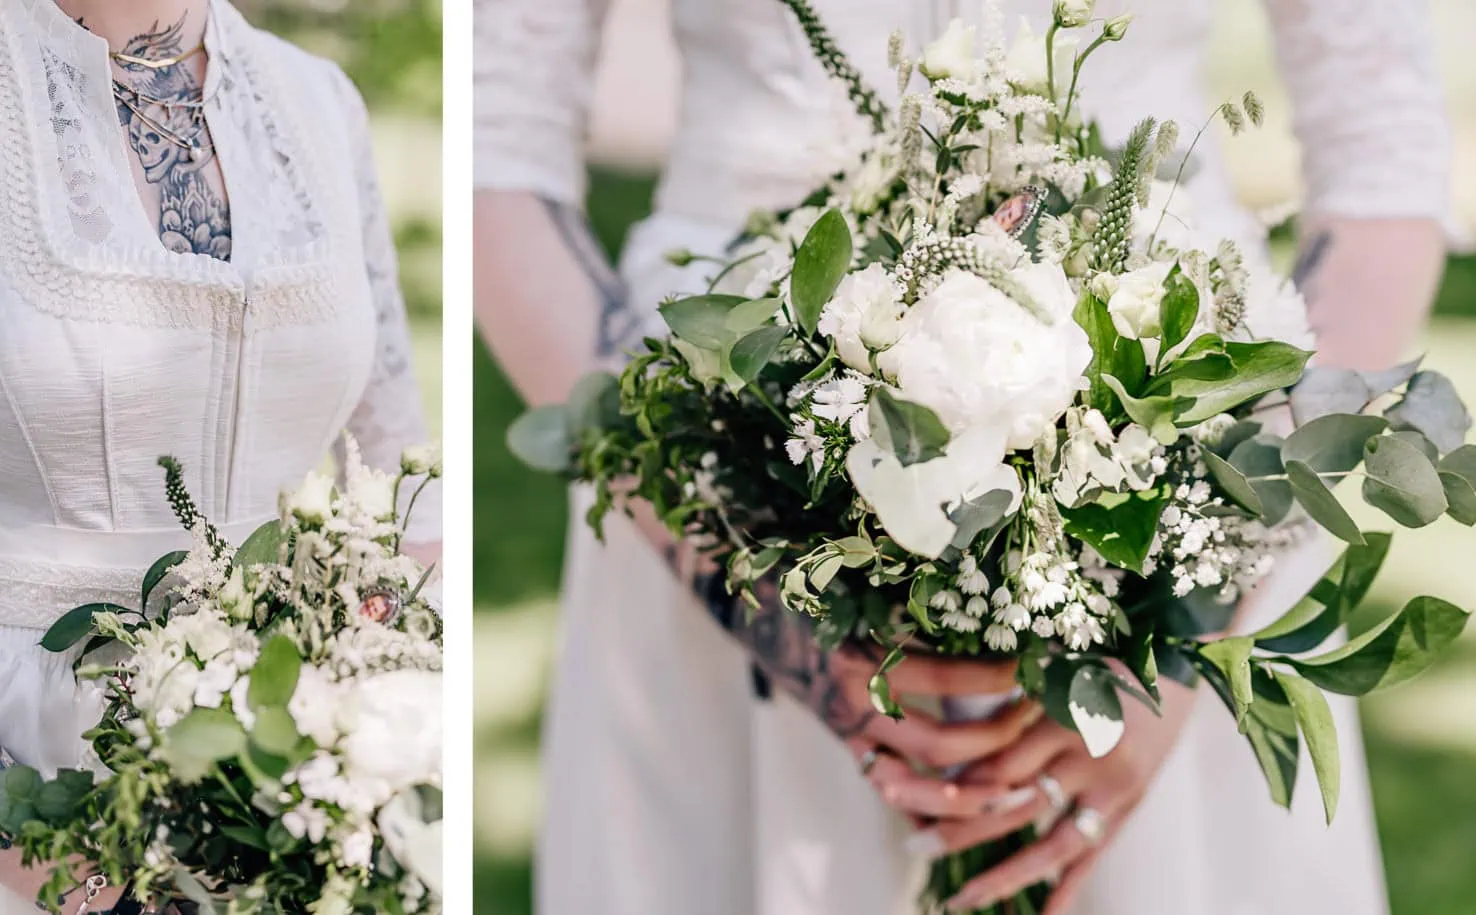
(925, 676)
(937, 744)
(1064, 893)
(1022, 761)
(1010, 813)
(1062, 848)
(924, 798)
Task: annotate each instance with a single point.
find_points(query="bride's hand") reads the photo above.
(1111, 787)
(891, 752)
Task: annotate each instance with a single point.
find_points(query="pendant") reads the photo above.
(380, 606)
(197, 152)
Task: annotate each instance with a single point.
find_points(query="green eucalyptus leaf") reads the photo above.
(910, 431)
(540, 438)
(1324, 391)
(1245, 429)
(157, 573)
(702, 320)
(1423, 444)
(274, 676)
(1332, 444)
(593, 404)
(1258, 458)
(262, 547)
(1316, 723)
(1233, 483)
(274, 731)
(200, 740)
(1231, 655)
(1432, 407)
(752, 353)
(1401, 482)
(1320, 503)
(820, 263)
(1095, 709)
(1401, 647)
(978, 515)
(75, 625)
(1460, 497)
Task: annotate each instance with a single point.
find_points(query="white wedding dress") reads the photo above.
(115, 351)
(671, 790)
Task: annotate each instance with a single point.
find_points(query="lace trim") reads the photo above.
(33, 595)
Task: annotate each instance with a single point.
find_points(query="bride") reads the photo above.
(194, 261)
(675, 785)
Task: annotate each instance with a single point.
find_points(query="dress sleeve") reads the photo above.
(390, 416)
(534, 70)
(1368, 107)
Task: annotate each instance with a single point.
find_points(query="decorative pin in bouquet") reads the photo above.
(975, 397)
(270, 737)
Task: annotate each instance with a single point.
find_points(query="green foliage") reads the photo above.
(911, 432)
(1401, 647)
(1121, 532)
(1315, 720)
(820, 263)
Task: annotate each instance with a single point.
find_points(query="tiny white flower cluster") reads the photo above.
(832, 413)
(964, 607)
(1050, 597)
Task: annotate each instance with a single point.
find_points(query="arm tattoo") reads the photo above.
(162, 111)
(620, 326)
(1310, 260)
(783, 647)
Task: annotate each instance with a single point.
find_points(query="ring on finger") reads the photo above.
(1053, 792)
(869, 760)
(1091, 824)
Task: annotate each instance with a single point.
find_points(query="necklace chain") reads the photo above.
(156, 63)
(134, 101)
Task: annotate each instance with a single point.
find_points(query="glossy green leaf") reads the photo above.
(1320, 503)
(1096, 709)
(819, 265)
(1231, 655)
(157, 572)
(274, 731)
(1259, 368)
(1120, 532)
(1399, 648)
(262, 547)
(880, 691)
(1332, 444)
(1156, 414)
(702, 320)
(1092, 316)
(1316, 723)
(75, 625)
(1402, 482)
(1178, 309)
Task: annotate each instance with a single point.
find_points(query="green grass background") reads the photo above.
(1421, 738)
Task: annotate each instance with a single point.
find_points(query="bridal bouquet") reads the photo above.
(982, 394)
(271, 737)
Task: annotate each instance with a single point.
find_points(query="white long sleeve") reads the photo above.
(534, 72)
(390, 416)
(1368, 107)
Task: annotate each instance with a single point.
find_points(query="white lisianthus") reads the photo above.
(421, 459)
(1027, 59)
(1073, 14)
(315, 706)
(214, 682)
(913, 503)
(865, 314)
(951, 56)
(975, 356)
(312, 502)
(1135, 303)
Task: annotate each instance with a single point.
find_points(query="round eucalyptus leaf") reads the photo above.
(1258, 459)
(1431, 406)
(1321, 504)
(1332, 444)
(1401, 482)
(540, 438)
(1324, 391)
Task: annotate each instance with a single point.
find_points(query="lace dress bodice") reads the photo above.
(115, 351)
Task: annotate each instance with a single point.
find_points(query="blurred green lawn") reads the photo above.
(1422, 738)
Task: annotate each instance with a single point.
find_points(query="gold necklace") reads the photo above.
(156, 63)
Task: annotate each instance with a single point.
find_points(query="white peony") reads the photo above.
(912, 503)
(1135, 302)
(1026, 61)
(312, 502)
(865, 314)
(976, 357)
(395, 741)
(951, 56)
(1275, 309)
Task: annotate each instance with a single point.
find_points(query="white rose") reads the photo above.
(865, 314)
(312, 502)
(1026, 61)
(421, 459)
(952, 55)
(976, 357)
(1073, 14)
(1134, 306)
(912, 503)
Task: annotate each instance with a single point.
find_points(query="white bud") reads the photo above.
(1073, 14)
(312, 502)
(1116, 28)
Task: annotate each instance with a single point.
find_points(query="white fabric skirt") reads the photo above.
(672, 790)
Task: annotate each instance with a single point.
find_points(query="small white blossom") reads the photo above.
(1000, 638)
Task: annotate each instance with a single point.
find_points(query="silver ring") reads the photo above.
(868, 760)
(1091, 824)
(1053, 792)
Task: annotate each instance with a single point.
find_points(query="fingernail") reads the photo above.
(1014, 800)
(950, 791)
(925, 844)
